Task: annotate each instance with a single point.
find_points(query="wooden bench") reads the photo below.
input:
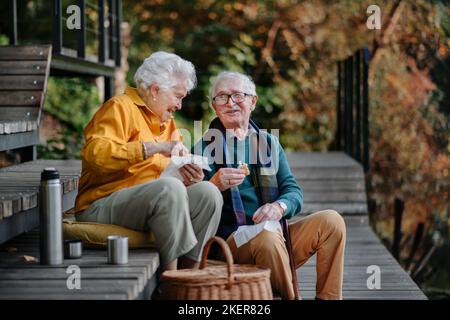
(24, 71)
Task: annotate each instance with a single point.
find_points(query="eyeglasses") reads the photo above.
(236, 97)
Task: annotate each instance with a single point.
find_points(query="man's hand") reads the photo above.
(226, 178)
(191, 174)
(268, 212)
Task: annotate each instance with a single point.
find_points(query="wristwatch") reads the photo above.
(282, 205)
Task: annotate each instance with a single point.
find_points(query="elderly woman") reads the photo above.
(266, 190)
(129, 142)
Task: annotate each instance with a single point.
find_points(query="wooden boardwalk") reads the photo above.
(331, 180)
(335, 181)
(20, 279)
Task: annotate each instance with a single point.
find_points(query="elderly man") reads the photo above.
(266, 191)
(129, 142)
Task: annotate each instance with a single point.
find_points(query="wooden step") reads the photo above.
(330, 181)
(99, 281)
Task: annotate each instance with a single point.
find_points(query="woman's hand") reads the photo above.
(268, 212)
(226, 178)
(167, 148)
(191, 174)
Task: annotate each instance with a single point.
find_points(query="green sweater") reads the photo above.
(290, 192)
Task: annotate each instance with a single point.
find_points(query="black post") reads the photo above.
(111, 17)
(399, 206)
(13, 21)
(109, 87)
(358, 107)
(82, 31)
(365, 123)
(339, 107)
(101, 31)
(57, 27)
(349, 107)
(118, 7)
(415, 245)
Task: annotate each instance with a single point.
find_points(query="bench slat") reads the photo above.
(21, 98)
(33, 67)
(19, 82)
(17, 126)
(25, 52)
(17, 113)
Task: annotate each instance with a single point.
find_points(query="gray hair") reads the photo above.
(165, 69)
(247, 82)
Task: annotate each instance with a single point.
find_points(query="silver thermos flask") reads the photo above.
(50, 218)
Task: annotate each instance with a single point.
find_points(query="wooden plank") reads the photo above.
(19, 140)
(128, 287)
(18, 223)
(327, 173)
(332, 185)
(21, 98)
(107, 278)
(19, 53)
(342, 208)
(18, 113)
(112, 288)
(119, 272)
(73, 296)
(320, 159)
(17, 126)
(69, 166)
(19, 82)
(372, 295)
(334, 196)
(20, 200)
(34, 67)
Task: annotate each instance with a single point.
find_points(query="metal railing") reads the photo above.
(108, 15)
(352, 107)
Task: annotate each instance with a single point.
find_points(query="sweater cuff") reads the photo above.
(288, 213)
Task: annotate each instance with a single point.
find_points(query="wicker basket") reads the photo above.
(220, 282)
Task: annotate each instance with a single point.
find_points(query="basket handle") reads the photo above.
(228, 256)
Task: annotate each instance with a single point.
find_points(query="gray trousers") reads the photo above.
(182, 218)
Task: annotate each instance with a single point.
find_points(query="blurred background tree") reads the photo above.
(290, 48)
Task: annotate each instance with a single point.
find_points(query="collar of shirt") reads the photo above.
(156, 125)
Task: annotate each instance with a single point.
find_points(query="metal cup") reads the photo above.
(117, 250)
(73, 249)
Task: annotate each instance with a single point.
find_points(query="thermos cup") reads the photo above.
(117, 250)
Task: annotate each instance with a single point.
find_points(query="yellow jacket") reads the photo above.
(112, 157)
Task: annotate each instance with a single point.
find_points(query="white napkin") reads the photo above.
(245, 233)
(177, 162)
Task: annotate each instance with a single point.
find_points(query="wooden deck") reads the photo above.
(330, 180)
(335, 181)
(98, 280)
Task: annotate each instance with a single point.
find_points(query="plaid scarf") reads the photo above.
(264, 181)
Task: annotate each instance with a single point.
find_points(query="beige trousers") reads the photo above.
(182, 219)
(322, 232)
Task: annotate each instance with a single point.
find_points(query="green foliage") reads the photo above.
(4, 40)
(290, 48)
(72, 101)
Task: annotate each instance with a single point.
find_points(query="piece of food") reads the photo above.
(244, 166)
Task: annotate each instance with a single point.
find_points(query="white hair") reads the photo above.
(166, 70)
(247, 82)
